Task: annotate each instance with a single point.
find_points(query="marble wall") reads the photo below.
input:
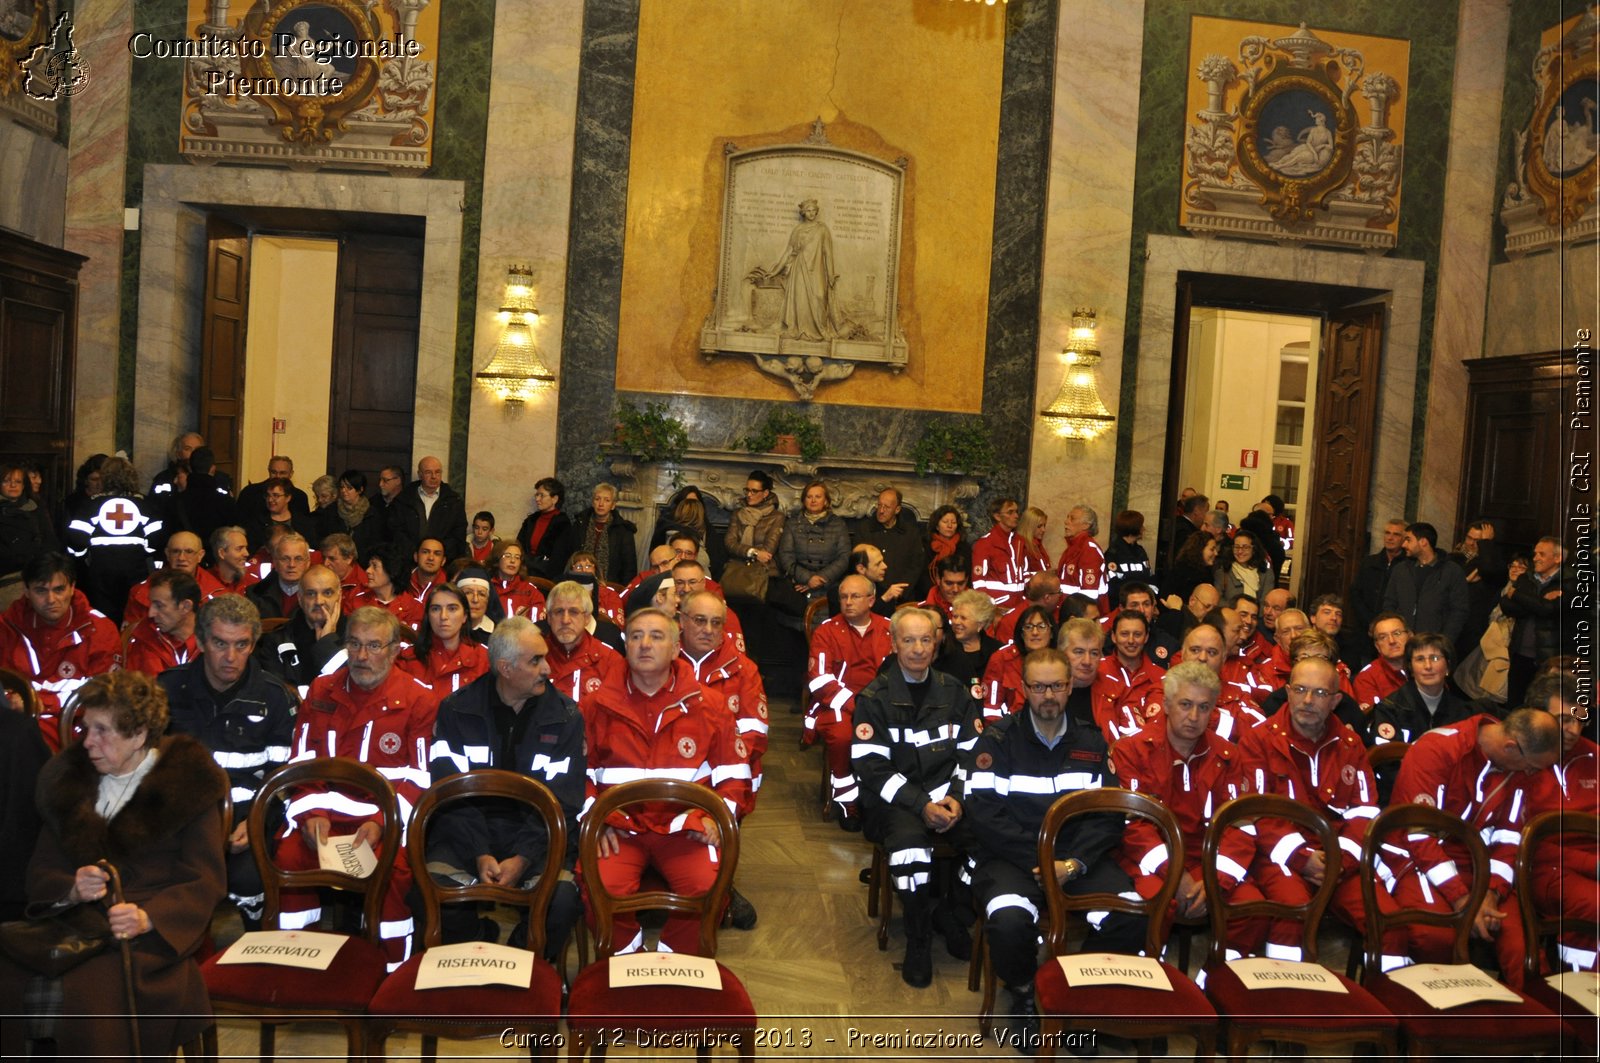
(33, 171)
(526, 203)
(599, 195)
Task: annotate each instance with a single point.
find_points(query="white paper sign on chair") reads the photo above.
(1265, 972)
(1449, 985)
(475, 963)
(664, 968)
(1109, 968)
(1581, 986)
(311, 950)
(349, 854)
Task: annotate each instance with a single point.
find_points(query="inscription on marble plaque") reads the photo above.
(809, 269)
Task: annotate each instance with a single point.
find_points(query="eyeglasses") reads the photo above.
(355, 647)
(754, 490)
(1036, 627)
(1427, 658)
(1300, 690)
(1393, 636)
(1047, 688)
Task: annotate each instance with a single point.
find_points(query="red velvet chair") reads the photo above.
(277, 995)
(480, 1011)
(1131, 1012)
(1579, 1025)
(1482, 1029)
(594, 1007)
(1298, 1016)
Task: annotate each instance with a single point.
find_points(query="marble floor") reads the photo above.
(811, 964)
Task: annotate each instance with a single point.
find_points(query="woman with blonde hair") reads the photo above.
(1030, 529)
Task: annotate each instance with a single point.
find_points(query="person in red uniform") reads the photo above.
(1082, 568)
(1387, 671)
(1490, 774)
(443, 656)
(165, 637)
(1566, 870)
(1235, 713)
(1042, 588)
(1273, 603)
(384, 567)
(517, 593)
(371, 712)
(1239, 665)
(579, 662)
(339, 554)
(653, 720)
(1127, 679)
(184, 553)
(1274, 672)
(846, 651)
(689, 577)
(999, 563)
(1177, 760)
(950, 579)
(611, 604)
(1305, 753)
(230, 560)
(53, 639)
(429, 570)
(1003, 690)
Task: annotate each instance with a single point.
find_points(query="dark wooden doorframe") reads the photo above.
(222, 342)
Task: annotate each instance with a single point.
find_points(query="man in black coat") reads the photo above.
(430, 509)
(902, 541)
(1427, 589)
(1372, 578)
(1534, 602)
(253, 497)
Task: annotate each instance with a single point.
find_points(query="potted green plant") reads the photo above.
(958, 446)
(650, 433)
(785, 432)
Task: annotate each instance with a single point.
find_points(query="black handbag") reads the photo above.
(54, 944)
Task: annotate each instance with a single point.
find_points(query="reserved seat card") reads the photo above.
(475, 963)
(665, 968)
(1109, 968)
(1449, 985)
(1265, 972)
(350, 854)
(311, 950)
(1581, 986)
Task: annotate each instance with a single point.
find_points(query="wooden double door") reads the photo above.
(372, 400)
(38, 356)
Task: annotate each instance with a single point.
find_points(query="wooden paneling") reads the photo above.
(1334, 522)
(1514, 467)
(38, 356)
(222, 338)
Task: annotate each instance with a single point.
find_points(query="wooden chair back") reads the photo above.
(708, 906)
(1411, 820)
(1253, 808)
(1536, 926)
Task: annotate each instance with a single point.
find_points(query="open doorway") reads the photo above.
(1249, 412)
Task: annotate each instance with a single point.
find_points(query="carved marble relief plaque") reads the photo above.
(808, 276)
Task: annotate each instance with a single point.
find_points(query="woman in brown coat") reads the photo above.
(149, 806)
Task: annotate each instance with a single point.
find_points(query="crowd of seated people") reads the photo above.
(957, 687)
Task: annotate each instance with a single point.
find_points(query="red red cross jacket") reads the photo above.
(447, 671)
(581, 672)
(998, 567)
(734, 678)
(57, 658)
(1002, 683)
(139, 598)
(1234, 715)
(388, 728)
(520, 597)
(679, 732)
(841, 663)
(1083, 569)
(152, 652)
(1445, 769)
(1377, 681)
(1330, 774)
(1122, 699)
(1193, 788)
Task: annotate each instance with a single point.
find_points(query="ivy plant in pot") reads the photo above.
(650, 433)
(958, 446)
(785, 432)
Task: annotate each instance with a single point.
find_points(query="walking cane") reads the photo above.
(115, 893)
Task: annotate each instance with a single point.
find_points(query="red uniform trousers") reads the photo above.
(302, 908)
(688, 866)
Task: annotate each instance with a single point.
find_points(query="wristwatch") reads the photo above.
(1075, 868)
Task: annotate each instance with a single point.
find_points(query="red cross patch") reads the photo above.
(1386, 731)
(686, 748)
(984, 761)
(863, 731)
(1348, 774)
(740, 748)
(1423, 799)
(591, 684)
(389, 742)
(761, 708)
(66, 669)
(117, 515)
(733, 704)
(977, 725)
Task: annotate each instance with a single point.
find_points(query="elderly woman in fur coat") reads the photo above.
(148, 805)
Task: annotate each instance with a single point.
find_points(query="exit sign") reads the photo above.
(1235, 483)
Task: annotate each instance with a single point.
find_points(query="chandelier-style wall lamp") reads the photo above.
(516, 372)
(1077, 412)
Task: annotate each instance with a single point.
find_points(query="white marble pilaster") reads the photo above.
(97, 159)
(527, 191)
(1401, 279)
(171, 284)
(1464, 249)
(1088, 239)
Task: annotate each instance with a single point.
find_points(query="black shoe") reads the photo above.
(741, 913)
(1024, 1015)
(488, 930)
(957, 938)
(917, 970)
(864, 876)
(849, 821)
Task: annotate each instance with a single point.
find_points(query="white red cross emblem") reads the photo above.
(687, 748)
(117, 515)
